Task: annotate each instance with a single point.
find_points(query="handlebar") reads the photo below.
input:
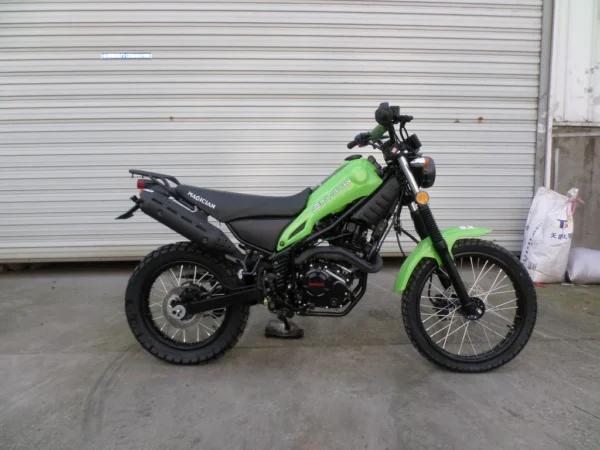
(352, 144)
(377, 132)
(386, 116)
(363, 138)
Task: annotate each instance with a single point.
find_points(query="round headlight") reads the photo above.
(423, 168)
(428, 175)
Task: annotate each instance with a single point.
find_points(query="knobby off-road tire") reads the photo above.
(140, 319)
(419, 290)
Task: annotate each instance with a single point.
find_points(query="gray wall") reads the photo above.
(577, 159)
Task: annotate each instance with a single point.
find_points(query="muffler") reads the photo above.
(190, 223)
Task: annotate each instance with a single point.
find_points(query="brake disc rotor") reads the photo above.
(174, 310)
(448, 301)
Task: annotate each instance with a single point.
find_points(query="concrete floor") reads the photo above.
(73, 377)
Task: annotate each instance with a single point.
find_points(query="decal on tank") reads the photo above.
(332, 194)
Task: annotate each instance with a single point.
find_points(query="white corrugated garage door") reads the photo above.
(258, 97)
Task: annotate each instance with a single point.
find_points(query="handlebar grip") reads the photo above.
(378, 132)
(352, 144)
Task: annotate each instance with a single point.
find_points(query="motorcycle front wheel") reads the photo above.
(442, 332)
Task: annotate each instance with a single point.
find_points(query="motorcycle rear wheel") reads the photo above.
(439, 329)
(152, 298)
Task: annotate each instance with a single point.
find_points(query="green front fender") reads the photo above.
(425, 250)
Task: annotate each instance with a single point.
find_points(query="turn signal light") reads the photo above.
(140, 184)
(422, 198)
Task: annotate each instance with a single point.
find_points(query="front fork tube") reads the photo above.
(441, 247)
(421, 229)
(427, 225)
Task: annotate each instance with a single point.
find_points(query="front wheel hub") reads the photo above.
(475, 309)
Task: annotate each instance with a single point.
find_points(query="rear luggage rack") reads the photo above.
(154, 176)
(160, 182)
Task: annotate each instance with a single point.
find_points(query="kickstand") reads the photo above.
(283, 328)
(286, 323)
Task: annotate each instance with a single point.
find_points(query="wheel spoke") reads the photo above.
(174, 278)
(495, 290)
(487, 271)
(489, 329)
(472, 267)
(486, 336)
(429, 316)
(437, 289)
(457, 329)
(503, 309)
(210, 291)
(502, 304)
(166, 291)
(499, 315)
(427, 306)
(439, 331)
(494, 282)
(442, 319)
(201, 278)
(494, 287)
(207, 330)
(472, 346)
(501, 327)
(214, 319)
(478, 276)
(450, 328)
(463, 338)
(442, 329)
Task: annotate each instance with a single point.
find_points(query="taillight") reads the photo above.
(140, 183)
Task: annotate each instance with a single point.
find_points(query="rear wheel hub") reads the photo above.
(174, 309)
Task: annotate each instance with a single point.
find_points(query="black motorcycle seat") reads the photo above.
(227, 206)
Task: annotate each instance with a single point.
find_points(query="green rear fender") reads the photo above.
(425, 250)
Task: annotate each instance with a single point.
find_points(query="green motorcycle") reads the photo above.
(467, 305)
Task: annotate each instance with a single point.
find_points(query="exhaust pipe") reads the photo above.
(192, 224)
(342, 255)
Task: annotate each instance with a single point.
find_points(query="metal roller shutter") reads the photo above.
(257, 97)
